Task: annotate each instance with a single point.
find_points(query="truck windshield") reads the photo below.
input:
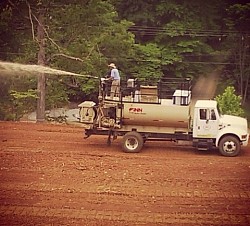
(218, 109)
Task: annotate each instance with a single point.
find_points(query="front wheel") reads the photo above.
(229, 146)
(132, 142)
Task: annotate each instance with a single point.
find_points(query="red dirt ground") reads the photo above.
(50, 175)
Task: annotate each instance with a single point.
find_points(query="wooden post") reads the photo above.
(41, 80)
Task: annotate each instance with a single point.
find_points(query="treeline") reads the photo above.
(147, 39)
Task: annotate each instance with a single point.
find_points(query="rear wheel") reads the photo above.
(132, 142)
(229, 146)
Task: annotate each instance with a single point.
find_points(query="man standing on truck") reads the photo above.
(115, 77)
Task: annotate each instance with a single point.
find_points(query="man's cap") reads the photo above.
(112, 65)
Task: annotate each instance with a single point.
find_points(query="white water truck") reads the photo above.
(162, 112)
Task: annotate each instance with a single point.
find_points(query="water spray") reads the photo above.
(7, 68)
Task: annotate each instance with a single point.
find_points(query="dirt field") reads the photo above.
(50, 175)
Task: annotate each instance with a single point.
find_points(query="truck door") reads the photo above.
(207, 123)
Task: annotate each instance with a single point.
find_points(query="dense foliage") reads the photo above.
(230, 103)
(147, 39)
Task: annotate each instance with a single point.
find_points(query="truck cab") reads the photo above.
(210, 128)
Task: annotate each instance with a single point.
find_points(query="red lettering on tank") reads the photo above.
(135, 110)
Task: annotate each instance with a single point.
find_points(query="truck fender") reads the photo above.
(228, 131)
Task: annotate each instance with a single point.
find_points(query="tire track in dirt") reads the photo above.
(128, 217)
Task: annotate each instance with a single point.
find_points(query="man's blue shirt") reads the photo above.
(115, 74)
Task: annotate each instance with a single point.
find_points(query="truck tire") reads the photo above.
(132, 142)
(229, 146)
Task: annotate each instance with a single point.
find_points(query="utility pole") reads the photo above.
(41, 80)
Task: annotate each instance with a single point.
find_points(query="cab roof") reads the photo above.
(206, 104)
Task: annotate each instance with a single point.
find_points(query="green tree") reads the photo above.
(229, 102)
(18, 96)
(237, 42)
(147, 39)
(182, 31)
(79, 36)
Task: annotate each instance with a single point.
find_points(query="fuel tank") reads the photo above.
(164, 114)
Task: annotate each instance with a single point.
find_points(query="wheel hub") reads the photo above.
(229, 146)
(131, 143)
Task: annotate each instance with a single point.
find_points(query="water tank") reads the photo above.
(165, 114)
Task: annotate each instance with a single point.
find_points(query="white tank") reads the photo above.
(165, 114)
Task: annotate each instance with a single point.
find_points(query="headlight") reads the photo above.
(244, 137)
